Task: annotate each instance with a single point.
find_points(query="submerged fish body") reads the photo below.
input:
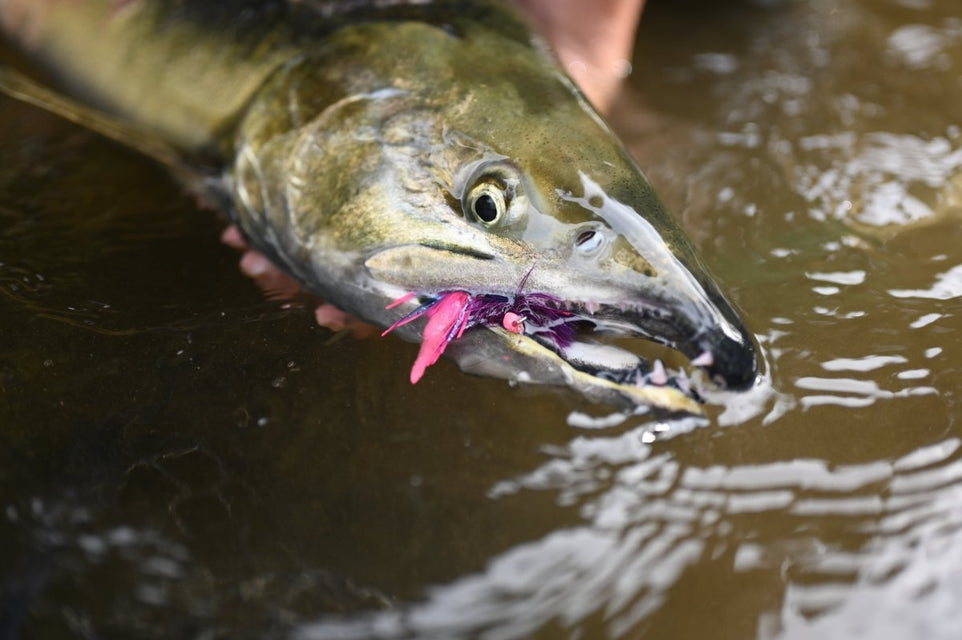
(373, 149)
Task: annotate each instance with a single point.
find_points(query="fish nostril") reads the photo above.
(588, 241)
(733, 363)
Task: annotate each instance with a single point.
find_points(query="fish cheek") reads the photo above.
(335, 198)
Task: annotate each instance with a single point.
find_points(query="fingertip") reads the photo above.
(254, 265)
(232, 238)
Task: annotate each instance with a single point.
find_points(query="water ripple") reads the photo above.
(948, 285)
(877, 178)
(649, 519)
(920, 46)
(863, 364)
(905, 584)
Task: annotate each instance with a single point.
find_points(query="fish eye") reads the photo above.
(486, 202)
(588, 241)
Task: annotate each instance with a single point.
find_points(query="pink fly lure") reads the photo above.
(451, 313)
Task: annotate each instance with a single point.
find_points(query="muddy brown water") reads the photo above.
(182, 458)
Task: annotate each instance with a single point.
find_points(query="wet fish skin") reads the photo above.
(358, 138)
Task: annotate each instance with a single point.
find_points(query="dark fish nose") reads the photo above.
(722, 345)
(735, 362)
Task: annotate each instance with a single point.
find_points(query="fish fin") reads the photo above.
(20, 87)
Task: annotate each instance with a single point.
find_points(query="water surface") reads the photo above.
(183, 458)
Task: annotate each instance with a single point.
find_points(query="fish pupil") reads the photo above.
(486, 208)
(589, 241)
(585, 237)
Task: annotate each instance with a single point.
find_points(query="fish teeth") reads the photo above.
(658, 375)
(706, 359)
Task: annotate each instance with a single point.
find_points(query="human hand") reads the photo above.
(593, 40)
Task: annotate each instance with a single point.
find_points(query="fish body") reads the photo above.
(374, 149)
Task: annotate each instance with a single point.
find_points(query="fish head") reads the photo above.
(608, 254)
(493, 175)
(537, 188)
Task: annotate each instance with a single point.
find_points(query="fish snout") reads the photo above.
(708, 329)
(704, 327)
(728, 356)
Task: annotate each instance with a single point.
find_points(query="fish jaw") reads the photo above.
(496, 352)
(723, 350)
(693, 324)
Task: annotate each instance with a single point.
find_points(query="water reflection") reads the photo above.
(859, 393)
(638, 538)
(903, 583)
(183, 459)
(877, 179)
(947, 285)
(648, 520)
(922, 46)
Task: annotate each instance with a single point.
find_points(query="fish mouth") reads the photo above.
(596, 343)
(581, 336)
(610, 349)
(613, 343)
(723, 350)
